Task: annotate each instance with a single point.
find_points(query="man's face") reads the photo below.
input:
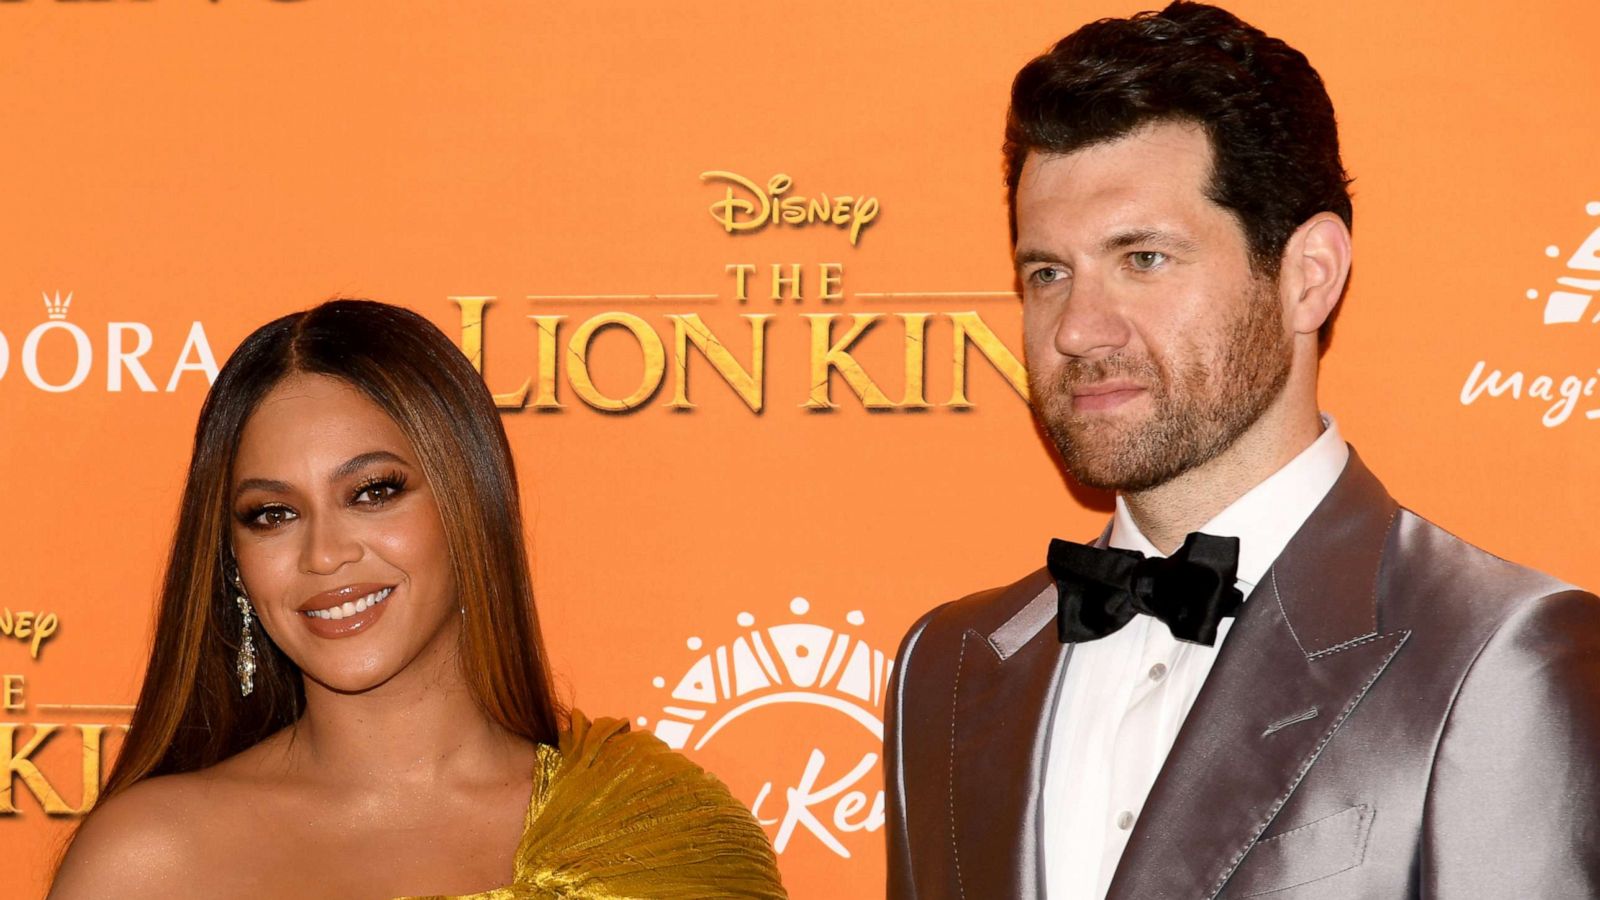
(1150, 344)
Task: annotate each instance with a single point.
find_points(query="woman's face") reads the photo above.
(338, 537)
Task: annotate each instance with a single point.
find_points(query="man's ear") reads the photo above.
(1316, 263)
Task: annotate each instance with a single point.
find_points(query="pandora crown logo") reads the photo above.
(57, 356)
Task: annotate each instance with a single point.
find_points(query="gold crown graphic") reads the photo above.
(56, 307)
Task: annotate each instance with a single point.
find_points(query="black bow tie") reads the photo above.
(1101, 590)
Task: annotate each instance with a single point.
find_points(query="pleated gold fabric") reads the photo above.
(617, 814)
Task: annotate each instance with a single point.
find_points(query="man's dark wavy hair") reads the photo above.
(1275, 147)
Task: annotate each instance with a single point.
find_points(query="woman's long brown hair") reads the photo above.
(190, 714)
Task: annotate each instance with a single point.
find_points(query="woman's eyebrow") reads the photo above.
(356, 463)
(262, 484)
(345, 470)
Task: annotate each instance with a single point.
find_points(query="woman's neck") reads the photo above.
(419, 728)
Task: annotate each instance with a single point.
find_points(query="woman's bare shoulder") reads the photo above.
(150, 840)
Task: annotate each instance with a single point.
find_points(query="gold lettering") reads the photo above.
(744, 206)
(832, 277)
(916, 354)
(736, 213)
(826, 357)
(747, 384)
(43, 629)
(33, 627)
(841, 210)
(779, 184)
(793, 282)
(14, 764)
(741, 273)
(655, 363)
(11, 693)
(865, 212)
(970, 327)
(548, 326)
(92, 757)
(794, 210)
(472, 345)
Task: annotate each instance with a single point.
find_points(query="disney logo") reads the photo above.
(747, 206)
(31, 628)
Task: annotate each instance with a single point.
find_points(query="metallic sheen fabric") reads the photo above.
(617, 814)
(1396, 715)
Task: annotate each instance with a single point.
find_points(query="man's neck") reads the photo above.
(1169, 511)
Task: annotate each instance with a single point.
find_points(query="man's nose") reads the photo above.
(1091, 323)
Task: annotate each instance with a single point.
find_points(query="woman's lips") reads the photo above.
(346, 611)
(1103, 397)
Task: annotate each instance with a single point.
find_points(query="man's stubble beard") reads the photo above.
(1196, 413)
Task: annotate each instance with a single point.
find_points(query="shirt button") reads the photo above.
(1124, 820)
(1158, 671)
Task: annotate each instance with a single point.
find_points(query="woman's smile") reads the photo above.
(345, 611)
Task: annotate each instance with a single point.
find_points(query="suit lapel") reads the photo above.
(1304, 652)
(1005, 691)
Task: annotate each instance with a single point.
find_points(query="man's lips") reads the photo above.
(1103, 395)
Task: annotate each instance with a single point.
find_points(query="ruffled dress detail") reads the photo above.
(617, 814)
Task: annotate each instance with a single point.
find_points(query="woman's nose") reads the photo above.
(328, 546)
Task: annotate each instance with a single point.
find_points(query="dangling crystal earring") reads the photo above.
(246, 664)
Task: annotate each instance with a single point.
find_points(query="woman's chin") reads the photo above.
(352, 680)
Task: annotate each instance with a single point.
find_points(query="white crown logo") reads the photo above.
(810, 664)
(1563, 307)
(55, 307)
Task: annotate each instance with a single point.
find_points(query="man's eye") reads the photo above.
(1145, 260)
(1049, 275)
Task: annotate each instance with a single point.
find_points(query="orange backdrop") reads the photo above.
(734, 580)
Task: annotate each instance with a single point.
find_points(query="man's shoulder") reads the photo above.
(1426, 564)
(982, 613)
(1463, 603)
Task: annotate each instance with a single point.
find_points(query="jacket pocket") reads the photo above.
(1313, 851)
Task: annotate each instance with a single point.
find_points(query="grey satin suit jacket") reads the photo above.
(1395, 714)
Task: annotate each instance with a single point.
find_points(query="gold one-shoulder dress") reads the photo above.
(617, 814)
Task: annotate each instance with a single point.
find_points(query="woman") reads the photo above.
(347, 695)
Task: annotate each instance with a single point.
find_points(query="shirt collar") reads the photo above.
(1268, 515)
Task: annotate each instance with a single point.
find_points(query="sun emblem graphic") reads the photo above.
(793, 662)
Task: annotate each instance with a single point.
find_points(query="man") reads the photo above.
(1338, 699)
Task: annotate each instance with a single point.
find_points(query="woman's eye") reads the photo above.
(270, 517)
(1145, 260)
(377, 492)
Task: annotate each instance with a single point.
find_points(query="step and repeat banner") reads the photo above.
(739, 276)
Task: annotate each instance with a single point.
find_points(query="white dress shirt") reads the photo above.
(1126, 695)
